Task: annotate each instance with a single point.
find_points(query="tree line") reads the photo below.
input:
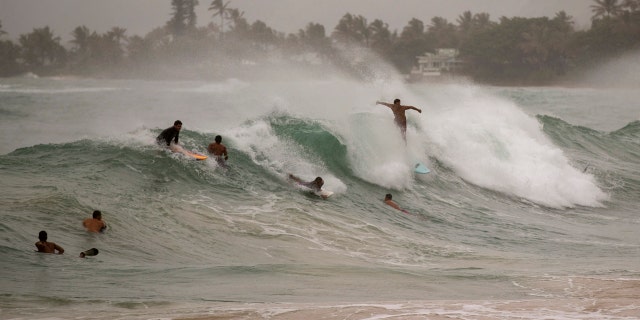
(511, 50)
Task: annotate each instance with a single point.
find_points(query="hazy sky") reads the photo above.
(288, 16)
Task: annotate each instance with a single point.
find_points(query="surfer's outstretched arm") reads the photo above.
(294, 178)
(414, 108)
(384, 104)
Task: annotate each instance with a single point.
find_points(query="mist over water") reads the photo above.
(621, 72)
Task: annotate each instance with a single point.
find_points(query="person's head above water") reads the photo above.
(177, 124)
(319, 182)
(42, 236)
(396, 101)
(218, 139)
(388, 196)
(97, 214)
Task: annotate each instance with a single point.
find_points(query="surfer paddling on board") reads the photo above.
(219, 151)
(170, 134)
(95, 224)
(398, 113)
(391, 203)
(47, 247)
(315, 185)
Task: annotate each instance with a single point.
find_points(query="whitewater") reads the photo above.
(530, 211)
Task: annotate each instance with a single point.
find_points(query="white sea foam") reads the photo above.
(490, 142)
(281, 157)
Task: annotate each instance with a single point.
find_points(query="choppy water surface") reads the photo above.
(533, 195)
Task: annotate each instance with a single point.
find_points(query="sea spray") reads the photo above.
(490, 142)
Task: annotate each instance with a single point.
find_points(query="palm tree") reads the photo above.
(352, 29)
(605, 8)
(413, 30)
(81, 36)
(410, 43)
(343, 29)
(177, 24)
(115, 38)
(360, 27)
(240, 25)
(9, 56)
(139, 49)
(314, 38)
(191, 14)
(380, 36)
(565, 21)
(536, 44)
(183, 17)
(465, 22)
(219, 9)
(443, 32)
(314, 32)
(117, 34)
(41, 47)
(482, 21)
(262, 35)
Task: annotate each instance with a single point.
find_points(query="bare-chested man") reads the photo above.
(393, 204)
(315, 184)
(219, 151)
(398, 113)
(95, 224)
(47, 247)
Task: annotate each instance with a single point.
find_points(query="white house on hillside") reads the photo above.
(443, 61)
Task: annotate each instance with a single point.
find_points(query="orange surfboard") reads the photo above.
(191, 154)
(194, 155)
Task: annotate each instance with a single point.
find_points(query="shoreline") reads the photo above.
(583, 298)
(533, 309)
(558, 298)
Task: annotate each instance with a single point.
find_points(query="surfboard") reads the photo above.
(194, 155)
(324, 193)
(421, 168)
(191, 154)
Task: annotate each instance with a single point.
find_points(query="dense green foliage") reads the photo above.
(511, 50)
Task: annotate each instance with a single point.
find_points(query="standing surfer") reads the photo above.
(398, 113)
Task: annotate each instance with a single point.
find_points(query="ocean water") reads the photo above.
(531, 210)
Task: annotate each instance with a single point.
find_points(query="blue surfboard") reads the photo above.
(421, 168)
